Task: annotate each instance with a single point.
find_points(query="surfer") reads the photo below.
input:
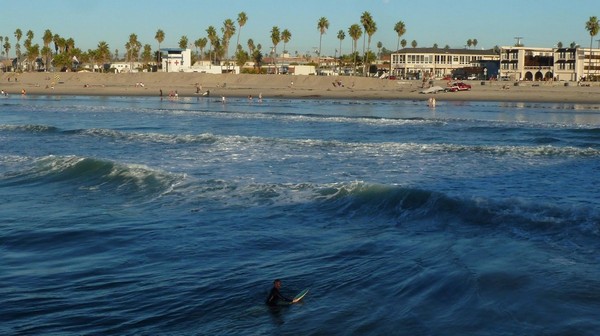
(275, 295)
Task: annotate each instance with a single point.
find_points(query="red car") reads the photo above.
(458, 86)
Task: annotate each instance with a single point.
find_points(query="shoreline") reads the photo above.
(287, 86)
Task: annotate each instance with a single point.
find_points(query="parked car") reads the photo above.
(472, 77)
(458, 86)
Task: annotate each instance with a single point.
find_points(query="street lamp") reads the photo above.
(318, 53)
(335, 59)
(273, 58)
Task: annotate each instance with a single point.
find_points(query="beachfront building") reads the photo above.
(542, 64)
(180, 60)
(526, 63)
(575, 64)
(419, 62)
(123, 67)
(175, 59)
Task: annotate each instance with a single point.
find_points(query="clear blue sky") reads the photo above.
(541, 23)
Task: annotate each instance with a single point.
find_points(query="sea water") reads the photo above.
(135, 215)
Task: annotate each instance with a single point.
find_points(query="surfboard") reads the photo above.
(301, 295)
(297, 298)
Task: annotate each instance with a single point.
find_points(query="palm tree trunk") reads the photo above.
(319, 58)
(590, 62)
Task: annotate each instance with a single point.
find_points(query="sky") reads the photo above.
(541, 23)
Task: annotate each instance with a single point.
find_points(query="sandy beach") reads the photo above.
(283, 86)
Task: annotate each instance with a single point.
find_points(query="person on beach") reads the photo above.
(275, 295)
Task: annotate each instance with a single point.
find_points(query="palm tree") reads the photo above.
(475, 43)
(211, 33)
(241, 20)
(228, 30)
(133, 48)
(403, 43)
(592, 26)
(413, 43)
(400, 29)
(322, 25)
(286, 36)
(370, 28)
(251, 46)
(55, 40)
(103, 52)
(147, 54)
(70, 44)
(379, 46)
(46, 52)
(355, 33)
(6, 46)
(469, 43)
(275, 38)
(18, 36)
(159, 37)
(201, 45)
(32, 54)
(341, 36)
(183, 42)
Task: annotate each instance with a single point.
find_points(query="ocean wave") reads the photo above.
(413, 205)
(93, 174)
(29, 128)
(149, 137)
(394, 148)
(405, 205)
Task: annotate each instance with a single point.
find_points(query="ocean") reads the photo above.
(141, 216)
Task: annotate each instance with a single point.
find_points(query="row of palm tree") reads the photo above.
(219, 45)
(64, 48)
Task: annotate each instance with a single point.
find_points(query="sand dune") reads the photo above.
(230, 85)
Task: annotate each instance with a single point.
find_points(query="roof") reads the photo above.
(172, 49)
(446, 51)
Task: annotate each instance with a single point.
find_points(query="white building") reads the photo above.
(175, 59)
(526, 63)
(124, 67)
(537, 64)
(441, 62)
(180, 60)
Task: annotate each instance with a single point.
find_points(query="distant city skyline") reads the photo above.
(539, 23)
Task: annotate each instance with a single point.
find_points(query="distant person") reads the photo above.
(275, 295)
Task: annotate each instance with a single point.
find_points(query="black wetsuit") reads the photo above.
(275, 296)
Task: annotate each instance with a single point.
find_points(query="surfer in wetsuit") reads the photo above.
(275, 295)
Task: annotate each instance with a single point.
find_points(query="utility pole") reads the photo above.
(518, 38)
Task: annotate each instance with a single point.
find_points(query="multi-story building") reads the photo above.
(526, 63)
(541, 64)
(419, 62)
(516, 63)
(574, 64)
